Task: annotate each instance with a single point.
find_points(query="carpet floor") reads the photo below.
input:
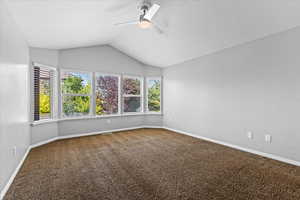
(150, 164)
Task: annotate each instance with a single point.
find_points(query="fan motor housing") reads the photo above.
(145, 5)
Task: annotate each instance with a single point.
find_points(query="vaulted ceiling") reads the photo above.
(192, 28)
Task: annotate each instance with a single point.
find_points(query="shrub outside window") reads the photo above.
(93, 94)
(107, 91)
(132, 94)
(76, 90)
(154, 94)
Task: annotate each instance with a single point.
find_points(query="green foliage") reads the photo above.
(99, 106)
(44, 103)
(154, 97)
(106, 99)
(75, 85)
(75, 105)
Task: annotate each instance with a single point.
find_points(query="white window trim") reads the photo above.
(153, 78)
(119, 94)
(141, 95)
(91, 95)
(57, 96)
(54, 96)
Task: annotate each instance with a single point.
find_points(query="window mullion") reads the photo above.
(77, 95)
(120, 95)
(131, 95)
(93, 97)
(142, 94)
(59, 92)
(52, 94)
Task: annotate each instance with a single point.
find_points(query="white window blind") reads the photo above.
(43, 92)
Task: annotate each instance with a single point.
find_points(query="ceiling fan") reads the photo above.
(148, 11)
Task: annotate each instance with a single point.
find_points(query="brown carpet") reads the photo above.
(149, 164)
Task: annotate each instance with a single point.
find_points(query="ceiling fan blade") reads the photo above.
(157, 28)
(127, 23)
(126, 4)
(151, 12)
(117, 8)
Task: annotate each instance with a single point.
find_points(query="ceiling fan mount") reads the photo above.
(148, 11)
(144, 23)
(145, 5)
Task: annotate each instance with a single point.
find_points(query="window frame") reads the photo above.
(141, 95)
(53, 92)
(62, 95)
(119, 93)
(57, 94)
(160, 96)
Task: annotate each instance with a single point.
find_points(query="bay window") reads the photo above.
(92, 94)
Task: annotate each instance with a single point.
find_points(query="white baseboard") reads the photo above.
(267, 155)
(155, 127)
(275, 157)
(98, 133)
(43, 142)
(82, 135)
(12, 177)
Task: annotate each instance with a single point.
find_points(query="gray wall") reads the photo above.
(253, 87)
(43, 132)
(99, 59)
(104, 59)
(44, 56)
(14, 99)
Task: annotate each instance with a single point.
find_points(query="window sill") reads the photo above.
(88, 117)
(36, 123)
(153, 113)
(47, 121)
(101, 116)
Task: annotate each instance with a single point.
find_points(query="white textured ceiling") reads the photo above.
(193, 28)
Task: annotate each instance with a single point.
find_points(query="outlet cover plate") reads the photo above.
(268, 138)
(250, 135)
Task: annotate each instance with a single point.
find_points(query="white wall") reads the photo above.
(102, 59)
(14, 99)
(253, 87)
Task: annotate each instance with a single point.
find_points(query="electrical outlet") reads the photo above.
(250, 135)
(108, 121)
(268, 138)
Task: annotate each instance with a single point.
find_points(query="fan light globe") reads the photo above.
(144, 24)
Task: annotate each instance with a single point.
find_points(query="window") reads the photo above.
(43, 85)
(92, 94)
(154, 95)
(76, 92)
(107, 94)
(132, 94)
